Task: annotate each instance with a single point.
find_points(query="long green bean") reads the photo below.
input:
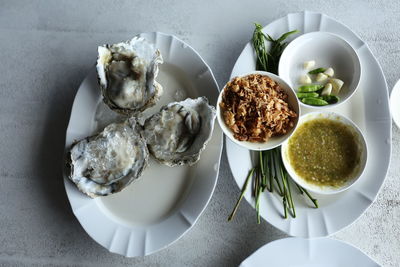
(304, 95)
(310, 88)
(316, 71)
(314, 101)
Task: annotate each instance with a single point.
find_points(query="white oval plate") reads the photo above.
(321, 252)
(395, 103)
(368, 109)
(157, 209)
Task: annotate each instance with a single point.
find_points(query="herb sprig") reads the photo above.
(268, 60)
(270, 173)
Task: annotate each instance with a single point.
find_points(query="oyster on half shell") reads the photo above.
(106, 163)
(126, 73)
(180, 131)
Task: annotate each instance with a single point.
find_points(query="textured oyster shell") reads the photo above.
(106, 163)
(180, 131)
(126, 73)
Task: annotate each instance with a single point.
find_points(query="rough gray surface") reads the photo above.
(46, 49)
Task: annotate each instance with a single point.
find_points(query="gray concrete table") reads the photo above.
(46, 49)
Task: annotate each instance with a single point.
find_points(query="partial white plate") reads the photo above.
(395, 103)
(161, 206)
(368, 109)
(321, 252)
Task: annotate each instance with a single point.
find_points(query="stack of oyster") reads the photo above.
(109, 161)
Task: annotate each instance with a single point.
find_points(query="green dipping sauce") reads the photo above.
(324, 152)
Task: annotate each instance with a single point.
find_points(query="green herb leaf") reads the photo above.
(286, 35)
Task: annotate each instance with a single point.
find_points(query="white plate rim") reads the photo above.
(383, 117)
(268, 251)
(394, 103)
(134, 241)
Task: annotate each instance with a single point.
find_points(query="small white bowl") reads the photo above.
(327, 50)
(273, 141)
(327, 190)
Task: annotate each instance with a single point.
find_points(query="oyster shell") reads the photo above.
(127, 73)
(180, 131)
(106, 163)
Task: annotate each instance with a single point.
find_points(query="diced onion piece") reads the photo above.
(309, 64)
(330, 72)
(327, 89)
(336, 85)
(321, 77)
(305, 79)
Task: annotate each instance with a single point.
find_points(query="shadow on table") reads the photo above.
(69, 237)
(49, 160)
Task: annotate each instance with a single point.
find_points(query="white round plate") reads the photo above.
(395, 103)
(368, 109)
(320, 252)
(157, 209)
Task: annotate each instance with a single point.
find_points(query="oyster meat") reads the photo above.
(106, 163)
(126, 73)
(180, 131)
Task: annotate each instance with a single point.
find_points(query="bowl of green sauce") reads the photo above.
(326, 154)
